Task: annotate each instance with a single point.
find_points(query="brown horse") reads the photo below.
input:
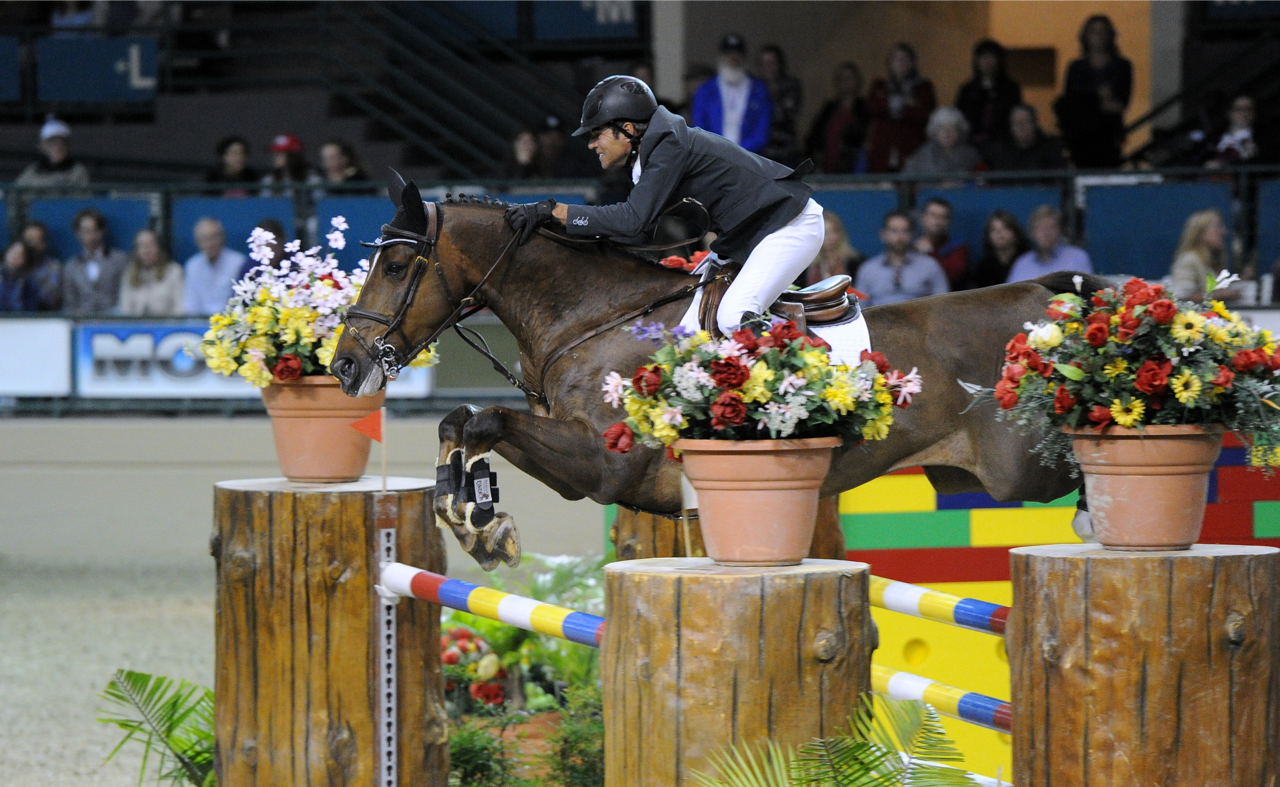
(548, 294)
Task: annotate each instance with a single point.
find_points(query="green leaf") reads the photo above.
(1068, 297)
(172, 718)
(1069, 372)
(745, 766)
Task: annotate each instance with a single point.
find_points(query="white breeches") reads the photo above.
(772, 266)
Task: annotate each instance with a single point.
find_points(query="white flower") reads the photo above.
(730, 349)
(614, 388)
(792, 382)
(339, 223)
(336, 240)
(1045, 337)
(1077, 280)
(673, 416)
(690, 380)
(292, 246)
(1225, 279)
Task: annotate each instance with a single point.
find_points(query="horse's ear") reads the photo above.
(395, 186)
(411, 203)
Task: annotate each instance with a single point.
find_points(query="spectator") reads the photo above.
(233, 166)
(1091, 109)
(733, 104)
(521, 161)
(339, 164)
(786, 97)
(152, 285)
(1239, 143)
(554, 159)
(275, 247)
(899, 274)
(986, 99)
(936, 241)
(55, 167)
(948, 149)
(17, 293)
(212, 271)
(46, 277)
(1201, 254)
(900, 107)
(91, 279)
(1026, 147)
(1003, 241)
(1049, 252)
(288, 163)
(837, 254)
(840, 129)
(697, 74)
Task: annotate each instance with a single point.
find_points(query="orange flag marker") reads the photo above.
(370, 425)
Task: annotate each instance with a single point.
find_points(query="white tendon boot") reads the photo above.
(1082, 524)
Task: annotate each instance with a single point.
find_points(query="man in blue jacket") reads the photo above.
(732, 103)
(760, 210)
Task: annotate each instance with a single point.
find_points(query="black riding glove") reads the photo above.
(524, 219)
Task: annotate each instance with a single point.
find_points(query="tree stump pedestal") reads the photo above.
(298, 699)
(1154, 668)
(697, 656)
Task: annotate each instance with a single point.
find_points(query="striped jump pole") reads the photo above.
(967, 706)
(518, 611)
(919, 602)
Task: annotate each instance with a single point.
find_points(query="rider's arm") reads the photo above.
(661, 174)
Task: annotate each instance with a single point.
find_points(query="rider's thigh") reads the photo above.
(771, 267)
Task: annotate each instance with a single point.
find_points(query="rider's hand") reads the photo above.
(524, 219)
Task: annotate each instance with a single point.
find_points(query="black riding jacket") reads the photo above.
(746, 196)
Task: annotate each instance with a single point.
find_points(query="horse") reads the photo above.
(436, 263)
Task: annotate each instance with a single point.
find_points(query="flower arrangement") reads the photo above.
(780, 384)
(1135, 356)
(468, 659)
(284, 317)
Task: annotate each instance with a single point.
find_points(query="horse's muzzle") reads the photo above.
(355, 380)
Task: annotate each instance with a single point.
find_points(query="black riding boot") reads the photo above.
(756, 323)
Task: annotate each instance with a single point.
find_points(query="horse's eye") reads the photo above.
(395, 270)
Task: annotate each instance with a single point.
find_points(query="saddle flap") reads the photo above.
(827, 291)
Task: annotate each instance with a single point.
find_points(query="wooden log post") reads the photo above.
(698, 656)
(636, 536)
(297, 694)
(1155, 668)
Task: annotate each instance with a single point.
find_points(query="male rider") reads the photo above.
(761, 211)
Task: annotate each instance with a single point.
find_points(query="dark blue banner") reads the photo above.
(96, 70)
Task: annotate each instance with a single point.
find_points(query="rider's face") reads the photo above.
(611, 147)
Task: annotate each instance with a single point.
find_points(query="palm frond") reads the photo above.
(842, 761)
(747, 766)
(173, 718)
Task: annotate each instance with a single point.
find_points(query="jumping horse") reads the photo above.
(436, 263)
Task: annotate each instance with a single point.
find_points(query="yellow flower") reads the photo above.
(265, 296)
(1046, 337)
(1264, 456)
(839, 395)
(427, 357)
(884, 397)
(634, 405)
(217, 356)
(754, 389)
(1219, 308)
(257, 373)
(1075, 327)
(1186, 387)
(1218, 334)
(1188, 327)
(327, 347)
(877, 429)
(700, 338)
(1130, 414)
(260, 318)
(219, 321)
(1117, 367)
(260, 343)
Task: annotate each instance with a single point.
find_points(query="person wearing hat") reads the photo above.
(733, 104)
(288, 164)
(761, 211)
(55, 167)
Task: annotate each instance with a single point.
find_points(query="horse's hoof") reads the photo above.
(1082, 524)
(486, 560)
(502, 538)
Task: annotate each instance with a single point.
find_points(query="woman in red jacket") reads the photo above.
(900, 106)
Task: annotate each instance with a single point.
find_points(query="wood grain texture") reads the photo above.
(1145, 668)
(698, 656)
(296, 635)
(637, 536)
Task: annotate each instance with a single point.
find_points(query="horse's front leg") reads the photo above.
(449, 475)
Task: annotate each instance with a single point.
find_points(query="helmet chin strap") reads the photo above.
(634, 139)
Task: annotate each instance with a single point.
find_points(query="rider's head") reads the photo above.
(616, 114)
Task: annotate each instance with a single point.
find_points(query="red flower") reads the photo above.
(450, 656)
(671, 454)
(675, 261)
(1007, 393)
(882, 363)
(747, 339)
(1273, 360)
(1099, 318)
(1224, 378)
(1128, 325)
(1153, 377)
(697, 257)
(489, 693)
(729, 372)
(1100, 415)
(782, 334)
(1133, 285)
(647, 381)
(1013, 372)
(1137, 293)
(818, 342)
(1097, 300)
(287, 368)
(1054, 314)
(1063, 400)
(1016, 346)
(1246, 360)
(728, 410)
(619, 438)
(1163, 311)
(1096, 335)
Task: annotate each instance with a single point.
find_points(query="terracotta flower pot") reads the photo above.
(757, 499)
(1147, 490)
(311, 418)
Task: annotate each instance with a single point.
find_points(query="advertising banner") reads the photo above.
(35, 357)
(96, 70)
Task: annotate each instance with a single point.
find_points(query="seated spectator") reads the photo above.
(275, 247)
(340, 164)
(785, 95)
(233, 166)
(555, 159)
(1239, 144)
(899, 274)
(837, 254)
(900, 106)
(1026, 147)
(152, 285)
(1098, 87)
(733, 104)
(46, 277)
(91, 279)
(288, 163)
(986, 99)
(838, 132)
(1049, 252)
(212, 271)
(56, 167)
(16, 291)
(936, 241)
(948, 148)
(1201, 253)
(521, 161)
(1003, 241)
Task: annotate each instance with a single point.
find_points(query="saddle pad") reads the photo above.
(847, 339)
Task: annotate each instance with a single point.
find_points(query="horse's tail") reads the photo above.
(1064, 281)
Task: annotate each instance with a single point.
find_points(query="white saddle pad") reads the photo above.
(847, 339)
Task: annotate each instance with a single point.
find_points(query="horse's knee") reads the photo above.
(451, 426)
(484, 430)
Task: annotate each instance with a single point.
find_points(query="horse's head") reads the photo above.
(407, 299)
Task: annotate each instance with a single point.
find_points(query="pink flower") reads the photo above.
(906, 385)
(614, 388)
(791, 383)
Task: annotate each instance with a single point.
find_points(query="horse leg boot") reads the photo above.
(449, 474)
(494, 534)
(1082, 522)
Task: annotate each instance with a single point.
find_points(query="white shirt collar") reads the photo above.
(635, 171)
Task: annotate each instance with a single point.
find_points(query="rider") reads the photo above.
(761, 211)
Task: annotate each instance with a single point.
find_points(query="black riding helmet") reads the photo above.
(616, 99)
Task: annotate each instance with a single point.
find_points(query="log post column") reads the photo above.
(1156, 668)
(298, 646)
(697, 656)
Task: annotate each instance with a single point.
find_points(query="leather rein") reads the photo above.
(392, 360)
